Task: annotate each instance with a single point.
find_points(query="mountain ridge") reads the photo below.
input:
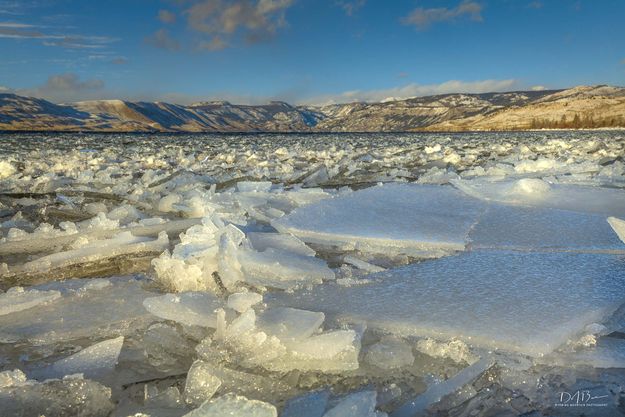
(577, 107)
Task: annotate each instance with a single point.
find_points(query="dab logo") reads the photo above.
(581, 398)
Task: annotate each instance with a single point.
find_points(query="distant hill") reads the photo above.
(579, 107)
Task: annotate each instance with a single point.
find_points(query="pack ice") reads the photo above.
(514, 301)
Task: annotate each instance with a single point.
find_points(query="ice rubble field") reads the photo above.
(312, 275)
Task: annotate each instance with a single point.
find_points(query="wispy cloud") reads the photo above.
(19, 30)
(219, 23)
(416, 90)
(65, 88)
(165, 16)
(351, 7)
(422, 18)
(162, 39)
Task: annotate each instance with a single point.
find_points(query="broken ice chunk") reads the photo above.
(436, 392)
(254, 186)
(17, 299)
(456, 350)
(538, 193)
(280, 269)
(56, 398)
(123, 244)
(113, 312)
(201, 384)
(475, 297)
(361, 404)
(287, 242)
(11, 378)
(234, 406)
(389, 353)
(190, 308)
(242, 301)
(290, 324)
(391, 218)
(608, 352)
(312, 404)
(93, 361)
(328, 352)
(618, 226)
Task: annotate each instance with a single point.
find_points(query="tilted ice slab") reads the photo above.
(538, 193)
(93, 362)
(535, 228)
(515, 301)
(96, 313)
(17, 299)
(190, 308)
(388, 218)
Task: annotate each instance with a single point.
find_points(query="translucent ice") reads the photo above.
(312, 404)
(436, 392)
(280, 269)
(290, 324)
(201, 384)
(93, 361)
(389, 353)
(538, 193)
(536, 228)
(361, 404)
(262, 241)
(234, 406)
(476, 297)
(17, 299)
(56, 398)
(242, 301)
(97, 313)
(388, 218)
(190, 308)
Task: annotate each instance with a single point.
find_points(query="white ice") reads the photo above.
(189, 308)
(234, 406)
(18, 299)
(361, 404)
(93, 362)
(201, 384)
(96, 313)
(493, 299)
(388, 218)
(539, 193)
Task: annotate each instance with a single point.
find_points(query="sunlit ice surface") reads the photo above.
(312, 275)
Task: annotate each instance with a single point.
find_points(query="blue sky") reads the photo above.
(305, 51)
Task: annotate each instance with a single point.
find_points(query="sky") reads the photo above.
(304, 51)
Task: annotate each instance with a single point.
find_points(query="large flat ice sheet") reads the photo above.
(521, 302)
(388, 217)
(543, 229)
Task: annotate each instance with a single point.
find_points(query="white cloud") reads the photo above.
(422, 18)
(416, 90)
(538, 88)
(65, 88)
(220, 21)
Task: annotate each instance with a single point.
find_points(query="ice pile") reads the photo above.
(214, 254)
(71, 396)
(277, 339)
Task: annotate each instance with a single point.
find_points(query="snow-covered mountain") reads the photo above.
(578, 107)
